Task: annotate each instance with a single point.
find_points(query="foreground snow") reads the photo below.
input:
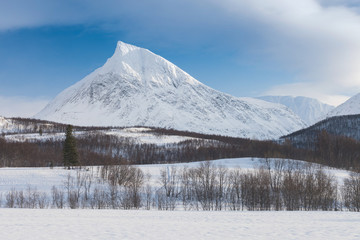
(17, 223)
(118, 224)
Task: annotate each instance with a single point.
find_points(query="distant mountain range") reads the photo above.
(310, 110)
(136, 87)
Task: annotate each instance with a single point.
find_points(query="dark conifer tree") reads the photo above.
(69, 150)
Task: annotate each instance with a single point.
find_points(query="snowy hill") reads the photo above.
(350, 107)
(310, 110)
(136, 87)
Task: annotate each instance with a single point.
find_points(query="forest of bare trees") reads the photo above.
(97, 148)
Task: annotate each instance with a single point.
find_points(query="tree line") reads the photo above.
(98, 148)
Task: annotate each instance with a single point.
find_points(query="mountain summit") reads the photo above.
(136, 87)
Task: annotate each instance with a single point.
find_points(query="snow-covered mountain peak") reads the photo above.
(124, 48)
(136, 87)
(144, 67)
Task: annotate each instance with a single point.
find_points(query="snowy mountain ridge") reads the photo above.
(310, 110)
(136, 87)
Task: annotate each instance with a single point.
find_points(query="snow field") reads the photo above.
(44, 178)
(139, 135)
(119, 224)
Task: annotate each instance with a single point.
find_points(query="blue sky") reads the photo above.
(242, 47)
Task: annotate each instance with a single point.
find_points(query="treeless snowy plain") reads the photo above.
(142, 224)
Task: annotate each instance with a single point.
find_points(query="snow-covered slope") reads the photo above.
(26, 125)
(350, 107)
(310, 110)
(5, 125)
(136, 87)
(136, 135)
(8, 125)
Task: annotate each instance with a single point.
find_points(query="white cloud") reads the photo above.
(21, 106)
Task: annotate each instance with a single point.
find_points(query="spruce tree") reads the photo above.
(69, 150)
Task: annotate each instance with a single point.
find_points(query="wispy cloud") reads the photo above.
(21, 106)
